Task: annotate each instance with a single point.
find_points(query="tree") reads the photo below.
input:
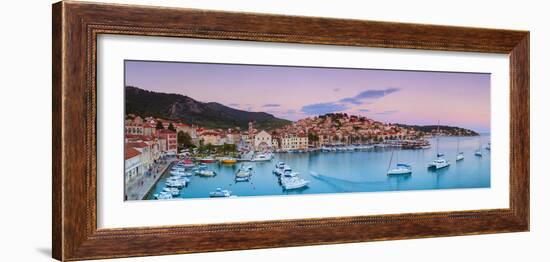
(171, 127)
(159, 125)
(184, 140)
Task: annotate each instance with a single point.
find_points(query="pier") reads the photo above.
(138, 190)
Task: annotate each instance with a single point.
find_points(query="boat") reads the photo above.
(459, 154)
(163, 195)
(243, 175)
(262, 157)
(220, 193)
(279, 168)
(488, 147)
(228, 160)
(172, 190)
(478, 152)
(208, 160)
(400, 168)
(178, 172)
(177, 183)
(280, 165)
(205, 172)
(440, 161)
(292, 180)
(187, 163)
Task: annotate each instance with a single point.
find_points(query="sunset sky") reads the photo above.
(409, 97)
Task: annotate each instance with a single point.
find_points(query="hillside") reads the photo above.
(183, 108)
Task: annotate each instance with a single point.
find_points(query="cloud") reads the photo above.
(336, 89)
(272, 105)
(351, 100)
(323, 108)
(364, 110)
(387, 112)
(348, 102)
(234, 104)
(368, 94)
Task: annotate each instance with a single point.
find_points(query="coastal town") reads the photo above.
(153, 144)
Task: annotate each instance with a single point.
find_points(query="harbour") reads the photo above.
(355, 169)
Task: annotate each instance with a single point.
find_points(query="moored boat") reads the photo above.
(187, 163)
(207, 160)
(262, 157)
(205, 172)
(243, 175)
(292, 180)
(228, 160)
(440, 161)
(220, 193)
(163, 195)
(400, 169)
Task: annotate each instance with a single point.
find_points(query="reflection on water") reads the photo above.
(344, 172)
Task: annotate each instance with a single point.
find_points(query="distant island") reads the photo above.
(442, 129)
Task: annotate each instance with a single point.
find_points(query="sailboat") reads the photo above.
(478, 152)
(400, 168)
(439, 162)
(459, 154)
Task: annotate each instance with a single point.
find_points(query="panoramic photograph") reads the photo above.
(208, 130)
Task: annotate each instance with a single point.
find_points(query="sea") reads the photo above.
(353, 171)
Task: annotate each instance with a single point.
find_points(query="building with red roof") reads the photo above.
(171, 138)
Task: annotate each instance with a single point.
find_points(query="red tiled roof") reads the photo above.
(136, 145)
(207, 133)
(130, 152)
(166, 131)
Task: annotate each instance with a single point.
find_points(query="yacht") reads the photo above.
(243, 175)
(178, 172)
(176, 183)
(440, 161)
(400, 168)
(478, 152)
(205, 172)
(220, 193)
(163, 195)
(282, 170)
(171, 190)
(459, 154)
(279, 165)
(262, 157)
(291, 180)
(279, 168)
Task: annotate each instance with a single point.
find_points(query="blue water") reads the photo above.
(358, 171)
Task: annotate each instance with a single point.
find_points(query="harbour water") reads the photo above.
(353, 171)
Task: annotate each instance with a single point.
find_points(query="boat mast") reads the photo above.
(437, 139)
(391, 158)
(457, 144)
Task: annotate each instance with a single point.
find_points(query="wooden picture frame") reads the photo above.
(76, 26)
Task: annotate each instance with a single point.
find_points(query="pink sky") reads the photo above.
(409, 97)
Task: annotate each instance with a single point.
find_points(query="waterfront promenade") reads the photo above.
(138, 189)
